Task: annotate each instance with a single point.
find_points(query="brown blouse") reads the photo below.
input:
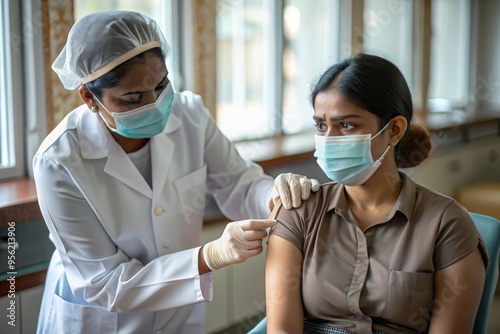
(380, 279)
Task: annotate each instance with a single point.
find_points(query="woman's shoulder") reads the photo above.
(429, 196)
(324, 199)
(434, 207)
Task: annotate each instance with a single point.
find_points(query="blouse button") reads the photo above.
(158, 211)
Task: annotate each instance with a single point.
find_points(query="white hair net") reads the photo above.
(99, 42)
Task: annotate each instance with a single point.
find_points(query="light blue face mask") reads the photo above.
(146, 121)
(347, 159)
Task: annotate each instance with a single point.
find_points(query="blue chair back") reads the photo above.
(489, 229)
(261, 327)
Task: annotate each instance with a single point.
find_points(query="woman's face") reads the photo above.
(142, 85)
(335, 115)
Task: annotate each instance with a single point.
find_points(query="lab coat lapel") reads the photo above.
(121, 167)
(162, 151)
(96, 143)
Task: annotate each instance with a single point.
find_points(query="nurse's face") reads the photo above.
(143, 83)
(335, 115)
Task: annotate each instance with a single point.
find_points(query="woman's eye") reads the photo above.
(346, 126)
(320, 127)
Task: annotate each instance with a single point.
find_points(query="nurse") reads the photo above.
(122, 182)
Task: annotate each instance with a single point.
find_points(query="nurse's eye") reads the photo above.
(134, 99)
(321, 127)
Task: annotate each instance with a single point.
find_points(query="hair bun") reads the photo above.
(415, 146)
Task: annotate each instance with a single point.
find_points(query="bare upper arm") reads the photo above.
(458, 290)
(283, 287)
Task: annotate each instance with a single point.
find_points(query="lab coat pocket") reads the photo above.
(409, 296)
(75, 318)
(191, 190)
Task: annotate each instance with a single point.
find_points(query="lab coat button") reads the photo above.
(158, 211)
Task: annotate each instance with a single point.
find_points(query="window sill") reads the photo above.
(272, 152)
(18, 201)
(440, 123)
(18, 204)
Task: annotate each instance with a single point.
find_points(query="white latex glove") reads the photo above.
(239, 241)
(292, 189)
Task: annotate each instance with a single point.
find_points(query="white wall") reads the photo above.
(239, 296)
(450, 168)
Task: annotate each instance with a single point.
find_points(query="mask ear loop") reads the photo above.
(98, 111)
(383, 154)
(382, 130)
(103, 106)
(379, 160)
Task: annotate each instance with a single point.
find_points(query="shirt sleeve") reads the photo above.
(239, 187)
(289, 226)
(96, 268)
(457, 237)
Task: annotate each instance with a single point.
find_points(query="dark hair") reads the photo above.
(113, 77)
(378, 86)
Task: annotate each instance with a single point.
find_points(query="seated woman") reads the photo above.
(372, 251)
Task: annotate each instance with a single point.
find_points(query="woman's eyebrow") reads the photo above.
(344, 117)
(336, 119)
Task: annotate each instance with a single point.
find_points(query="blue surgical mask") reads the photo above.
(347, 159)
(146, 121)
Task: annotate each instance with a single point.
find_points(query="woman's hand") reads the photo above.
(292, 189)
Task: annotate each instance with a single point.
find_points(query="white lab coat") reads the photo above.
(126, 258)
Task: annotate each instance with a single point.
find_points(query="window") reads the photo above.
(268, 54)
(312, 34)
(11, 109)
(247, 67)
(388, 32)
(450, 53)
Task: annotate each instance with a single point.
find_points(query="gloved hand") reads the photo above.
(292, 189)
(239, 241)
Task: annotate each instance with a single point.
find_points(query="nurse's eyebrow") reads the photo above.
(165, 78)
